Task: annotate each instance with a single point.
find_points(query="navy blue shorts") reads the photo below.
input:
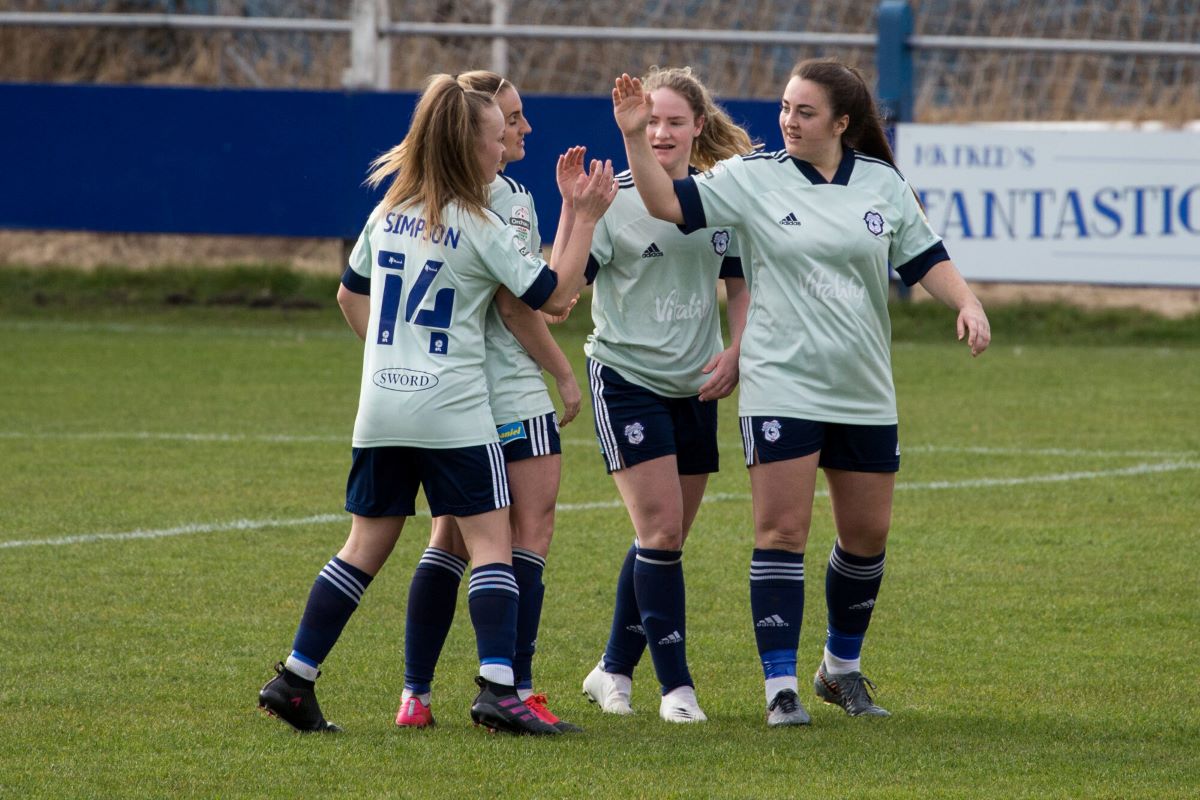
(635, 424)
(529, 438)
(460, 481)
(857, 448)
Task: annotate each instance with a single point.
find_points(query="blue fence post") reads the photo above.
(894, 63)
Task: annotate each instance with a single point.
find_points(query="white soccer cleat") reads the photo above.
(608, 690)
(679, 705)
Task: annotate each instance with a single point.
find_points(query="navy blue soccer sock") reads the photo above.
(777, 609)
(851, 587)
(432, 596)
(528, 567)
(627, 638)
(492, 597)
(335, 595)
(661, 598)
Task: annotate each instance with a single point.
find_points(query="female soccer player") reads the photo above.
(824, 216)
(657, 337)
(518, 344)
(420, 280)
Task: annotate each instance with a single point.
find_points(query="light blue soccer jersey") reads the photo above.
(423, 382)
(515, 385)
(817, 343)
(654, 302)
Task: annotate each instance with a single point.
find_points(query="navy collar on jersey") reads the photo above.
(840, 178)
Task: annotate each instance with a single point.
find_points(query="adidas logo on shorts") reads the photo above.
(653, 252)
(671, 638)
(790, 219)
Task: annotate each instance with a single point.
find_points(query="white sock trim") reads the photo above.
(776, 685)
(298, 667)
(497, 673)
(840, 666)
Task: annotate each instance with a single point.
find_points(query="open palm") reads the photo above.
(631, 105)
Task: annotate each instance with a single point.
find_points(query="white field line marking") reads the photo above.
(235, 438)
(715, 497)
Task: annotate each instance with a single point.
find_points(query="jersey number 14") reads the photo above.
(393, 292)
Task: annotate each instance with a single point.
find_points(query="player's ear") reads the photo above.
(841, 124)
(700, 120)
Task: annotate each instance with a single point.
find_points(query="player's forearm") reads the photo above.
(946, 284)
(569, 263)
(737, 306)
(566, 220)
(652, 181)
(531, 331)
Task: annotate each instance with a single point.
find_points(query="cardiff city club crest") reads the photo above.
(770, 430)
(874, 222)
(720, 242)
(635, 433)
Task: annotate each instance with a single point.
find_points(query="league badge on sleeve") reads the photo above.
(519, 220)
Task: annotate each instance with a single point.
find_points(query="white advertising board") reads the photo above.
(1060, 205)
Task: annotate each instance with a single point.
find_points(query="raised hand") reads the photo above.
(570, 167)
(595, 191)
(631, 105)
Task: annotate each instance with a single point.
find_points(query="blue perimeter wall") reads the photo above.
(252, 162)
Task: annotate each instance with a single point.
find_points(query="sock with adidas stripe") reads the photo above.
(528, 567)
(492, 599)
(851, 587)
(627, 638)
(334, 597)
(661, 598)
(777, 607)
(432, 596)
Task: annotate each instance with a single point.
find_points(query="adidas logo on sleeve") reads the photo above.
(653, 252)
(790, 219)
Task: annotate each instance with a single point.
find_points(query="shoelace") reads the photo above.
(859, 685)
(787, 702)
(537, 702)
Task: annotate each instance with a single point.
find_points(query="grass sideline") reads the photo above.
(1036, 635)
(277, 292)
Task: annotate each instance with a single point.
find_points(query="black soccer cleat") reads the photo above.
(294, 704)
(498, 708)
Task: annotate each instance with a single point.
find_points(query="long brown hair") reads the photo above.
(720, 137)
(435, 164)
(849, 96)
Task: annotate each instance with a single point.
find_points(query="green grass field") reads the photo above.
(172, 479)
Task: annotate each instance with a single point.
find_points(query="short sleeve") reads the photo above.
(715, 197)
(506, 256)
(915, 247)
(519, 212)
(357, 277)
(601, 252)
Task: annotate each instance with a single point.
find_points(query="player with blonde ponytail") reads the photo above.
(417, 289)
